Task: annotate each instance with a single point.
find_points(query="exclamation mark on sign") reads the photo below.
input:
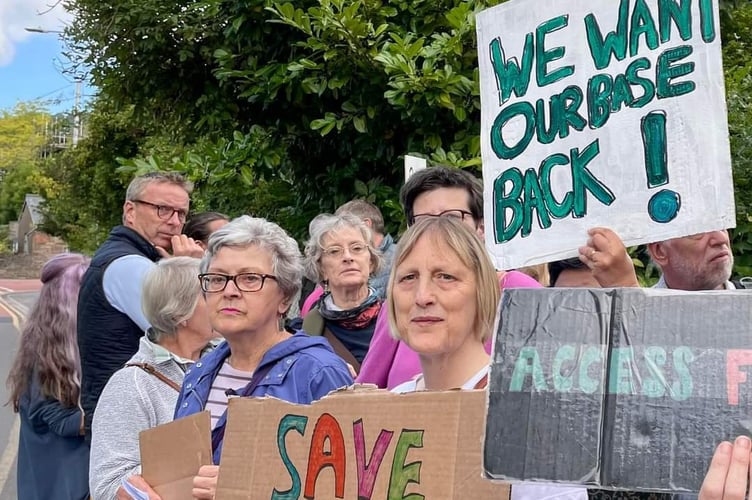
(663, 205)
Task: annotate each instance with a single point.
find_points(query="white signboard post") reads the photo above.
(413, 164)
(601, 113)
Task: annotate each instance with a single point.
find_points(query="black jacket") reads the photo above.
(107, 338)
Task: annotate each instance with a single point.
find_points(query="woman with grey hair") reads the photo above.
(250, 275)
(143, 393)
(339, 256)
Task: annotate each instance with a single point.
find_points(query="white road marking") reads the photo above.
(15, 314)
(11, 451)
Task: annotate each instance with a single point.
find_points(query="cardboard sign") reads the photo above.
(172, 454)
(357, 444)
(601, 113)
(621, 389)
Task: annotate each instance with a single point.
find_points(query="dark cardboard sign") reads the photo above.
(621, 389)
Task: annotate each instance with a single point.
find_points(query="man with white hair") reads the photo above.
(699, 262)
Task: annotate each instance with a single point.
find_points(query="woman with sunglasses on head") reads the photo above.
(340, 256)
(250, 275)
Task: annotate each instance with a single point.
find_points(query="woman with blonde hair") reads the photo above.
(442, 299)
(44, 384)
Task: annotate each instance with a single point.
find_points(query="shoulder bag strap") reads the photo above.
(153, 371)
(340, 350)
(315, 326)
(313, 323)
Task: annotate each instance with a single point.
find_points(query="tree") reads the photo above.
(737, 47)
(22, 133)
(22, 136)
(332, 93)
(91, 191)
(287, 109)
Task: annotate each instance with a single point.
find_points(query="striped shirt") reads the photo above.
(227, 379)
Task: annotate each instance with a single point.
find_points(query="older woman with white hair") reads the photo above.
(442, 299)
(250, 275)
(340, 256)
(143, 393)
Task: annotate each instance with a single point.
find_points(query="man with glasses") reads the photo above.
(110, 320)
(433, 192)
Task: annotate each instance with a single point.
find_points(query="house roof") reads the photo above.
(33, 202)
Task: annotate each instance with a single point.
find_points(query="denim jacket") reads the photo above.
(303, 370)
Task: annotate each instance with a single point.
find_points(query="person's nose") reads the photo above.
(425, 294)
(174, 219)
(231, 289)
(347, 255)
(718, 238)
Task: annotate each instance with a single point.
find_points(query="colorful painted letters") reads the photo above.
(327, 450)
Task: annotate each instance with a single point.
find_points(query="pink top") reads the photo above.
(390, 362)
(311, 300)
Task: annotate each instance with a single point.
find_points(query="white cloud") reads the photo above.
(15, 15)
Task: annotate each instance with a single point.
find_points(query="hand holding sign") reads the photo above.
(608, 259)
(205, 482)
(729, 472)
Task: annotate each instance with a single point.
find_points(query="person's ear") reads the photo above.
(283, 308)
(128, 212)
(658, 252)
(368, 223)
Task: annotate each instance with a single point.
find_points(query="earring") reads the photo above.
(325, 285)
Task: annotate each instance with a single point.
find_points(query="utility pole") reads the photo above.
(76, 116)
(76, 132)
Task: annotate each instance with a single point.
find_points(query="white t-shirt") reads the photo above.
(418, 384)
(520, 491)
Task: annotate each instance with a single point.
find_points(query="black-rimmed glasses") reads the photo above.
(165, 212)
(245, 282)
(454, 213)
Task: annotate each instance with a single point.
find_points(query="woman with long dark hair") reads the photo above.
(44, 385)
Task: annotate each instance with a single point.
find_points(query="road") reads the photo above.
(16, 300)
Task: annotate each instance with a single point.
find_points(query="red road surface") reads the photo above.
(7, 286)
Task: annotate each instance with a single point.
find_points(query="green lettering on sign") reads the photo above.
(528, 365)
(404, 474)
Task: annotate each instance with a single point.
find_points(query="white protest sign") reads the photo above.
(601, 113)
(413, 164)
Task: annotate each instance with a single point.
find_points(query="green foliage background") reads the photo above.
(286, 110)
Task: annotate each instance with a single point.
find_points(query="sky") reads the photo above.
(31, 64)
